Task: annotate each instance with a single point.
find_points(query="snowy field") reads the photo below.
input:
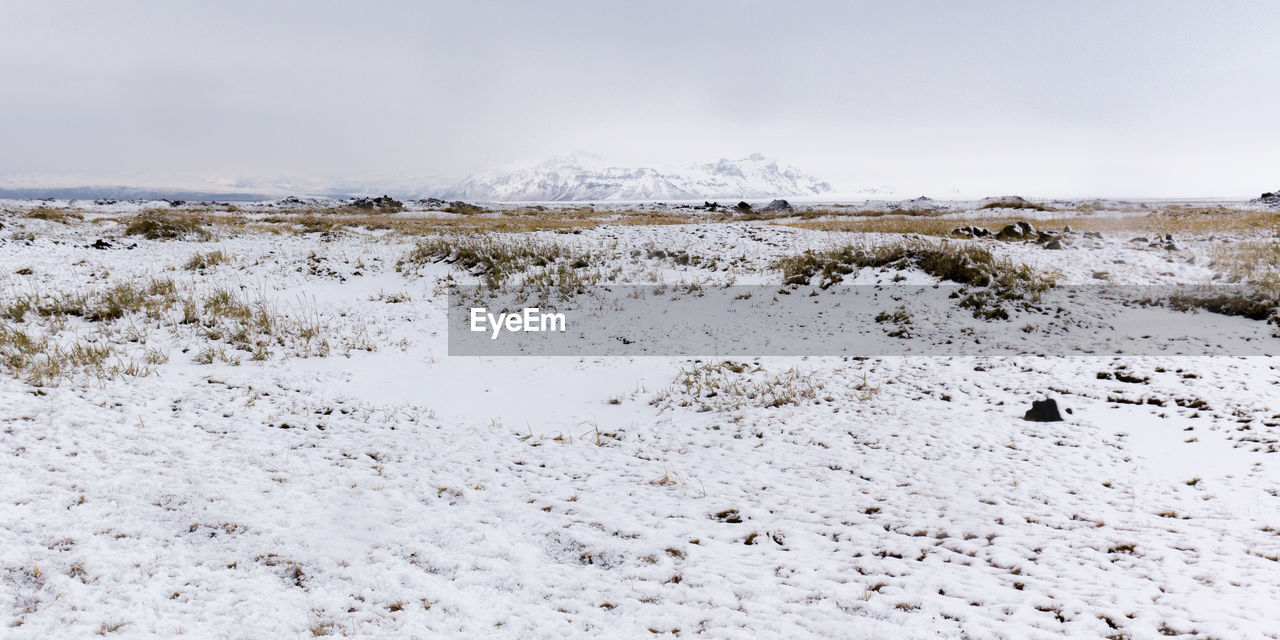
(253, 429)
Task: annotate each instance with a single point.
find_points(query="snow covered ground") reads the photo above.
(355, 480)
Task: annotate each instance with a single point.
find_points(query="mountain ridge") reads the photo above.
(570, 178)
(582, 177)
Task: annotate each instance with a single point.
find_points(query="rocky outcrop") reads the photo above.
(1043, 411)
(971, 232)
(1017, 231)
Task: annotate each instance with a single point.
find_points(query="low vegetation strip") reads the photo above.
(157, 225)
(47, 337)
(728, 385)
(962, 264)
(1176, 219)
(997, 279)
(494, 258)
(1255, 302)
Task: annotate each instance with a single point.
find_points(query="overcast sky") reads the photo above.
(1073, 98)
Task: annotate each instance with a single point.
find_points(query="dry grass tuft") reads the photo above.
(42, 361)
(64, 216)
(729, 385)
(495, 258)
(202, 261)
(1248, 261)
(115, 322)
(154, 224)
(963, 263)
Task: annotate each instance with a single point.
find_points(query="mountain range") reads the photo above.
(576, 177)
(585, 177)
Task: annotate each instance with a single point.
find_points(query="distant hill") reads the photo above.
(125, 193)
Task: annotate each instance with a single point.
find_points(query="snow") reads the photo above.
(582, 178)
(406, 493)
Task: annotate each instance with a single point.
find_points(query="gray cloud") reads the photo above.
(1119, 98)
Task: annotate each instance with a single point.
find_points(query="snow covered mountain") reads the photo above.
(586, 177)
(577, 177)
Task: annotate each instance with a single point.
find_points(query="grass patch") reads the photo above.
(63, 216)
(1174, 219)
(156, 225)
(202, 261)
(496, 259)
(42, 361)
(106, 305)
(112, 326)
(1255, 261)
(1257, 302)
(961, 263)
(953, 262)
(199, 223)
(727, 385)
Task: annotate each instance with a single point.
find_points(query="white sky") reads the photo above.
(1170, 99)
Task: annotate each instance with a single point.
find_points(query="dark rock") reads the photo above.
(971, 232)
(101, 244)
(1093, 234)
(777, 205)
(1017, 231)
(458, 206)
(1043, 411)
(742, 207)
(380, 202)
(1055, 244)
(1068, 229)
(711, 206)
(1270, 198)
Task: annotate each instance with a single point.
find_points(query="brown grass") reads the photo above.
(347, 219)
(1140, 219)
(963, 263)
(154, 224)
(518, 220)
(497, 257)
(1255, 261)
(1174, 219)
(65, 216)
